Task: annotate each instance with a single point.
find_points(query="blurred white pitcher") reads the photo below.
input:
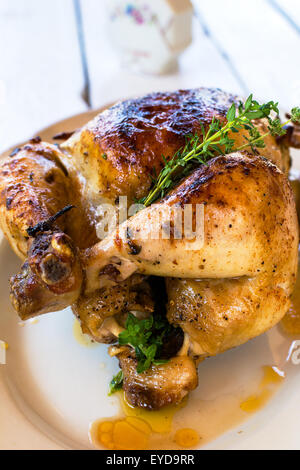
(150, 34)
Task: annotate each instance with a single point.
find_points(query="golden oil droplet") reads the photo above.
(160, 421)
(272, 378)
(272, 375)
(134, 431)
(81, 338)
(187, 438)
(256, 402)
(121, 434)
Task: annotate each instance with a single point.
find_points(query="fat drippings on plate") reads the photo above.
(197, 421)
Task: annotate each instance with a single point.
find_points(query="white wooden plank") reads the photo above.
(40, 69)
(290, 9)
(201, 63)
(262, 45)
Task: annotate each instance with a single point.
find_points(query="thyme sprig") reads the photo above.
(217, 141)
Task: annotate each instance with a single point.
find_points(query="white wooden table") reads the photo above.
(56, 60)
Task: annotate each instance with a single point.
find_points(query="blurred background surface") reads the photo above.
(61, 57)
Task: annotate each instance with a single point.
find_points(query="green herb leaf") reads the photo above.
(116, 383)
(231, 113)
(295, 115)
(275, 127)
(146, 337)
(247, 105)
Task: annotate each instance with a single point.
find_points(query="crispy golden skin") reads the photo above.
(92, 310)
(294, 178)
(122, 148)
(34, 185)
(160, 385)
(221, 314)
(50, 279)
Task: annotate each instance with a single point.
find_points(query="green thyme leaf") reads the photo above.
(295, 115)
(247, 105)
(275, 127)
(231, 113)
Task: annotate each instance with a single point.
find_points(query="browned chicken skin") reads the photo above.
(50, 279)
(34, 185)
(121, 149)
(294, 178)
(116, 155)
(116, 301)
(160, 385)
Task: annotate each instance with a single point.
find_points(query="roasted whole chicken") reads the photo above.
(234, 287)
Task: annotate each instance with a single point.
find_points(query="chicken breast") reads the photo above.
(121, 150)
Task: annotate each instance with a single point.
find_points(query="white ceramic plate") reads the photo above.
(52, 388)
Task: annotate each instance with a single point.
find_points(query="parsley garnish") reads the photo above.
(146, 337)
(216, 141)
